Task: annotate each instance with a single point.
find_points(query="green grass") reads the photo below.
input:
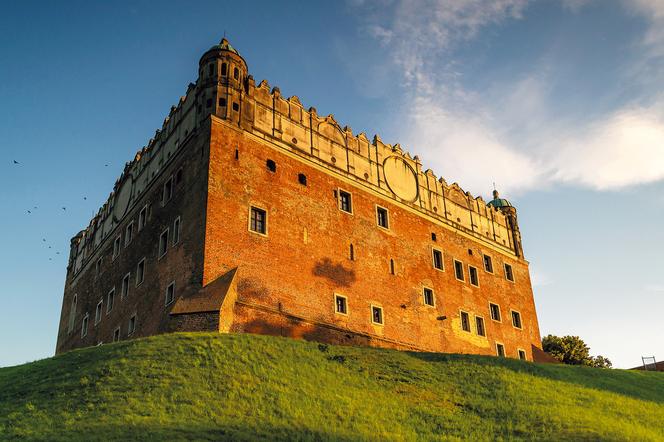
(245, 387)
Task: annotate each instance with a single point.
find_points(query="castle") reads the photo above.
(249, 213)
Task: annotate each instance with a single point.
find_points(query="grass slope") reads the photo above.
(244, 387)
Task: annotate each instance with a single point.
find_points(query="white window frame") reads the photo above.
(177, 228)
(518, 354)
(504, 355)
(500, 313)
(144, 213)
(484, 264)
(433, 296)
(118, 241)
(350, 195)
(131, 331)
(505, 266)
(137, 273)
(167, 184)
(122, 292)
(109, 305)
(387, 215)
(254, 206)
(161, 253)
(470, 277)
(99, 309)
(129, 233)
(166, 301)
(433, 259)
(512, 311)
(85, 323)
(483, 326)
(470, 326)
(119, 334)
(455, 261)
(382, 315)
(345, 298)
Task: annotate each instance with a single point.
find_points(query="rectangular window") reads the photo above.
(474, 279)
(142, 217)
(382, 217)
(163, 243)
(495, 311)
(522, 354)
(110, 299)
(125, 286)
(98, 312)
(84, 326)
(170, 292)
(116, 247)
(258, 221)
(428, 297)
(176, 230)
(132, 325)
(500, 350)
(167, 192)
(438, 260)
(509, 275)
(465, 322)
(140, 272)
(516, 319)
(377, 315)
(129, 233)
(340, 304)
(345, 201)
(458, 270)
(479, 326)
(488, 264)
(116, 334)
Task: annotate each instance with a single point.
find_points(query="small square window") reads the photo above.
(163, 243)
(236, 107)
(479, 326)
(142, 217)
(125, 286)
(458, 270)
(438, 260)
(222, 102)
(516, 319)
(84, 326)
(258, 221)
(509, 274)
(116, 334)
(110, 300)
(433, 236)
(340, 304)
(500, 350)
(345, 201)
(474, 279)
(376, 315)
(129, 233)
(98, 312)
(522, 354)
(302, 179)
(488, 264)
(495, 311)
(140, 272)
(176, 230)
(170, 293)
(382, 217)
(132, 325)
(167, 191)
(116, 247)
(465, 322)
(271, 165)
(428, 297)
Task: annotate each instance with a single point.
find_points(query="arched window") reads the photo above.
(236, 73)
(72, 313)
(223, 69)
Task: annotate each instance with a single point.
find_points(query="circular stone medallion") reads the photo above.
(401, 178)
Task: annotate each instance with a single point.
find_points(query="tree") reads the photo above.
(572, 350)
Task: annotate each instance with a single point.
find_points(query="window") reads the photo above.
(438, 259)
(392, 267)
(98, 311)
(98, 267)
(458, 270)
(84, 326)
(116, 247)
(433, 236)
(351, 253)
(142, 217)
(167, 192)
(125, 286)
(140, 272)
(258, 221)
(516, 319)
(340, 304)
(129, 233)
(116, 334)
(474, 279)
(170, 292)
(236, 107)
(211, 69)
(509, 275)
(224, 68)
(522, 354)
(132, 325)
(382, 217)
(72, 313)
(236, 73)
(163, 243)
(271, 165)
(377, 315)
(428, 297)
(500, 350)
(176, 230)
(302, 179)
(488, 264)
(494, 309)
(110, 299)
(465, 322)
(222, 102)
(345, 201)
(479, 326)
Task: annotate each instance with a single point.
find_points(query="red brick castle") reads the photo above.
(249, 213)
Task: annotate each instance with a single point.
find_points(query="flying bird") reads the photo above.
(49, 247)
(16, 162)
(85, 197)
(64, 208)
(105, 165)
(44, 239)
(29, 211)
(57, 253)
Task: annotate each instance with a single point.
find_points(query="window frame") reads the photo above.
(129, 233)
(433, 296)
(166, 301)
(336, 310)
(177, 226)
(143, 213)
(109, 303)
(117, 331)
(138, 283)
(160, 253)
(470, 275)
(433, 259)
(500, 313)
(480, 319)
(520, 326)
(116, 250)
(387, 217)
(484, 257)
(502, 346)
(461, 266)
(520, 351)
(341, 191)
(99, 312)
(123, 292)
(511, 272)
(382, 315)
(131, 330)
(85, 323)
(265, 221)
(166, 185)
(463, 313)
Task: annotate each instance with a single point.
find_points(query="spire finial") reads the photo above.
(495, 192)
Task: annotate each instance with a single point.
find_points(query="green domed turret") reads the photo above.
(498, 202)
(224, 45)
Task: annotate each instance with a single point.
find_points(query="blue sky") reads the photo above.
(558, 102)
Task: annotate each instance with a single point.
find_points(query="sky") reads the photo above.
(558, 102)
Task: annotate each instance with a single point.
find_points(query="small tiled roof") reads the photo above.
(224, 45)
(209, 298)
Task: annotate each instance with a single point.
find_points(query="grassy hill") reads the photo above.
(244, 387)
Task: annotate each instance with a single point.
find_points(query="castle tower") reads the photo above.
(510, 213)
(223, 83)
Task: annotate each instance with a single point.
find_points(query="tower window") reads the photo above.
(458, 271)
(116, 334)
(163, 243)
(125, 286)
(509, 274)
(377, 315)
(465, 322)
(392, 266)
(522, 354)
(98, 311)
(140, 272)
(438, 259)
(345, 201)
(474, 279)
(488, 264)
(211, 69)
(142, 217)
(500, 349)
(382, 217)
(516, 319)
(224, 68)
(132, 325)
(258, 221)
(271, 165)
(351, 253)
(494, 309)
(433, 236)
(222, 102)
(479, 326)
(176, 230)
(340, 304)
(129, 233)
(116, 247)
(428, 297)
(110, 300)
(170, 292)
(236, 107)
(236, 73)
(84, 326)
(302, 179)
(167, 191)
